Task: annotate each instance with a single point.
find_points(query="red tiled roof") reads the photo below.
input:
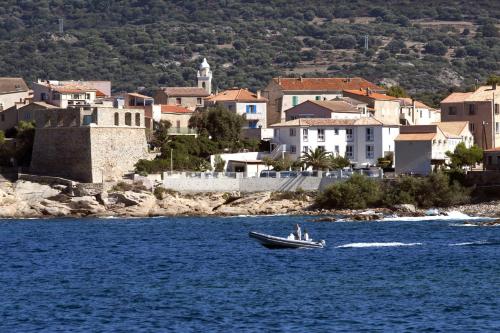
(238, 95)
(325, 84)
(371, 94)
(456, 97)
(174, 109)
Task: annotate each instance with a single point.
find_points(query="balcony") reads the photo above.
(182, 131)
(255, 116)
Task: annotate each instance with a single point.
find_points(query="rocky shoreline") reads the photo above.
(24, 199)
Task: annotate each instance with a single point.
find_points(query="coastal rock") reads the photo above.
(136, 203)
(408, 208)
(52, 208)
(325, 219)
(86, 205)
(33, 192)
(232, 211)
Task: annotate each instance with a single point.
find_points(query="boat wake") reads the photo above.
(477, 243)
(387, 244)
(451, 216)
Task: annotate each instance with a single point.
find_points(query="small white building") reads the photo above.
(65, 94)
(413, 112)
(420, 148)
(362, 140)
(243, 102)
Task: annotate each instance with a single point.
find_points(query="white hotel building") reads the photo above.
(362, 140)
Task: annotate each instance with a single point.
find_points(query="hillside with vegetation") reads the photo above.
(426, 47)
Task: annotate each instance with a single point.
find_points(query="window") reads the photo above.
(336, 131)
(178, 101)
(321, 148)
(56, 96)
(295, 100)
(490, 160)
(276, 133)
(472, 127)
(369, 134)
(27, 116)
(2, 117)
(349, 152)
(472, 109)
(203, 85)
(178, 123)
(497, 109)
(137, 119)
(43, 96)
(293, 131)
(251, 109)
(87, 96)
(318, 98)
(370, 152)
(117, 119)
(293, 149)
(497, 128)
(75, 96)
(305, 149)
(253, 123)
(199, 101)
(305, 134)
(420, 113)
(321, 134)
(87, 119)
(349, 134)
(293, 117)
(336, 150)
(128, 119)
(452, 110)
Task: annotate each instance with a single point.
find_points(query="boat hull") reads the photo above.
(272, 242)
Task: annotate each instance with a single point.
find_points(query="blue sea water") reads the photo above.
(206, 275)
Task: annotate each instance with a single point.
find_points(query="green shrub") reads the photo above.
(299, 194)
(358, 192)
(123, 187)
(161, 192)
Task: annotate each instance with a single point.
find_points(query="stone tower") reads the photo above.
(205, 76)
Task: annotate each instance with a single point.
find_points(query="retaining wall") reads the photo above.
(246, 184)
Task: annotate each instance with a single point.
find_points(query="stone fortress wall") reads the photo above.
(88, 144)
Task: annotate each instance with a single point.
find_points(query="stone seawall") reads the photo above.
(246, 185)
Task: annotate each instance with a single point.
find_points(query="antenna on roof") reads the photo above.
(61, 25)
(366, 42)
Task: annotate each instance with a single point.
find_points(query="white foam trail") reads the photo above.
(451, 215)
(463, 225)
(481, 242)
(388, 244)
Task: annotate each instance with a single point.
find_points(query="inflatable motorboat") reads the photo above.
(273, 242)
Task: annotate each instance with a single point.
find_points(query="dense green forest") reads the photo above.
(427, 47)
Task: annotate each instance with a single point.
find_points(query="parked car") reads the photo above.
(268, 174)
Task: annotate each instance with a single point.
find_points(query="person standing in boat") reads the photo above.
(298, 232)
(306, 235)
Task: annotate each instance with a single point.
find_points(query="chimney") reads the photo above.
(279, 79)
(367, 92)
(301, 79)
(258, 94)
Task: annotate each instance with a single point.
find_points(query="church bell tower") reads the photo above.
(205, 76)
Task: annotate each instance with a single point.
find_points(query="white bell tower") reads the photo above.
(205, 76)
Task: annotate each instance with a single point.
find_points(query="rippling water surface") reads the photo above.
(205, 275)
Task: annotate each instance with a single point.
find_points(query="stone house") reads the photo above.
(413, 112)
(422, 148)
(22, 111)
(285, 93)
(12, 90)
(88, 144)
(481, 108)
(65, 94)
(361, 140)
(383, 107)
(189, 97)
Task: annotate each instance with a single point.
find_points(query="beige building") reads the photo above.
(334, 109)
(12, 90)
(285, 93)
(383, 107)
(419, 149)
(481, 108)
(179, 117)
(413, 112)
(88, 144)
(26, 111)
(65, 94)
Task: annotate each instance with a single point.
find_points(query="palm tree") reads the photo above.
(317, 159)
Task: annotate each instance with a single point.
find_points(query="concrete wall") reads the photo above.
(413, 156)
(194, 185)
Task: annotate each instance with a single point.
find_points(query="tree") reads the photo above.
(317, 159)
(219, 164)
(25, 136)
(357, 192)
(463, 156)
(436, 47)
(386, 162)
(220, 123)
(160, 135)
(338, 162)
(493, 80)
(395, 46)
(397, 91)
